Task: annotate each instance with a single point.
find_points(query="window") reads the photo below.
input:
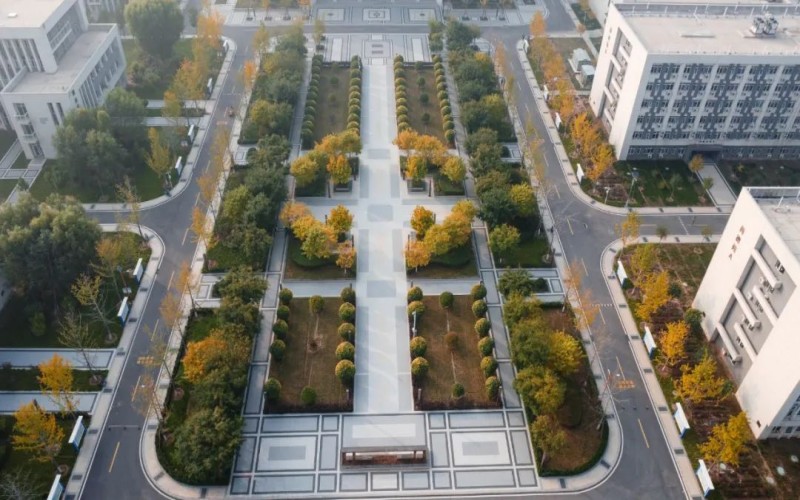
(776, 429)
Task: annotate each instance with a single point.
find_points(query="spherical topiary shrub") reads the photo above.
(353, 117)
(308, 395)
(285, 296)
(449, 126)
(482, 327)
(398, 58)
(458, 391)
(347, 332)
(354, 109)
(400, 80)
(441, 86)
(345, 371)
(424, 98)
(316, 304)
(446, 111)
(451, 341)
(277, 349)
(442, 95)
(479, 308)
(348, 294)
(347, 312)
(400, 88)
(426, 118)
(414, 293)
(283, 312)
(280, 328)
(416, 307)
(355, 73)
(478, 292)
(485, 346)
(450, 135)
(488, 366)
(355, 88)
(446, 300)
(353, 126)
(272, 389)
(492, 387)
(419, 368)
(401, 101)
(345, 350)
(437, 58)
(355, 82)
(402, 110)
(418, 347)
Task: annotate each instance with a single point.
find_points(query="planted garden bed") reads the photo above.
(309, 360)
(421, 99)
(452, 359)
(333, 101)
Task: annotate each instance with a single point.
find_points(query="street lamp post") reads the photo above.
(605, 201)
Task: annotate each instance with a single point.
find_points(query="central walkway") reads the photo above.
(383, 379)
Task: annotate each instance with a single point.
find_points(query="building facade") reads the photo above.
(752, 307)
(53, 60)
(673, 81)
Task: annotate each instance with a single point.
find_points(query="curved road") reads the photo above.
(646, 469)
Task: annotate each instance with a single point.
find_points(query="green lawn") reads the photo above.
(12, 379)
(6, 186)
(182, 50)
(416, 108)
(41, 474)
(15, 328)
(300, 267)
(529, 253)
(21, 162)
(7, 138)
(445, 187)
(148, 186)
(586, 17)
(460, 263)
(310, 360)
(331, 116)
(760, 173)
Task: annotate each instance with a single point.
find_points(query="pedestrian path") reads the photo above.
(97, 359)
(11, 401)
(383, 378)
(720, 192)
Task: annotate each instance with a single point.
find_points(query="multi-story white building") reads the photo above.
(719, 79)
(52, 61)
(752, 307)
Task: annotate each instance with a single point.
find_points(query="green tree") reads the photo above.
(497, 207)
(454, 169)
(155, 24)
(503, 239)
(205, 445)
(318, 242)
(516, 281)
(547, 435)
(45, 246)
(524, 199)
(243, 284)
(305, 170)
(643, 260)
(541, 389)
(319, 31)
(655, 291)
(160, 159)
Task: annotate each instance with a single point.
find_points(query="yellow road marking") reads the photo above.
(646, 443)
(113, 458)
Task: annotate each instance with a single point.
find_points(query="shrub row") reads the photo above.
(444, 101)
(310, 113)
(354, 96)
(400, 96)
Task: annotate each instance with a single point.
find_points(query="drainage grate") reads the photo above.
(605, 464)
(662, 408)
(622, 306)
(648, 370)
(562, 482)
(679, 451)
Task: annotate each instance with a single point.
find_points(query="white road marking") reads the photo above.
(169, 283)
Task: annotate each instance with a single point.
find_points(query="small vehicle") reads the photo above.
(229, 111)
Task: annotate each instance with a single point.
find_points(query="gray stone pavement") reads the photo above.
(720, 192)
(100, 359)
(11, 401)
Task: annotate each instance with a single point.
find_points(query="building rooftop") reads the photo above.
(26, 13)
(781, 206)
(70, 66)
(681, 33)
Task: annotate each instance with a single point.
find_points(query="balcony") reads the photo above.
(22, 118)
(29, 138)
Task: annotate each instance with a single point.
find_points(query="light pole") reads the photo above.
(634, 176)
(605, 201)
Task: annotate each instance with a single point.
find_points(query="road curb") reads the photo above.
(666, 422)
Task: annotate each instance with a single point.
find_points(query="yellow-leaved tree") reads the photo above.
(346, 256)
(701, 382)
(55, 379)
(340, 219)
(417, 255)
(421, 220)
(218, 350)
(37, 432)
(655, 291)
(727, 441)
(672, 342)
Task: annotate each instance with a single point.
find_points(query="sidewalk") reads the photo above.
(100, 359)
(646, 369)
(566, 164)
(191, 159)
(102, 402)
(720, 191)
(11, 401)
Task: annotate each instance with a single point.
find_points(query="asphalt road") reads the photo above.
(646, 469)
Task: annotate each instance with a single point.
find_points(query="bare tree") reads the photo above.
(19, 484)
(127, 192)
(74, 334)
(146, 398)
